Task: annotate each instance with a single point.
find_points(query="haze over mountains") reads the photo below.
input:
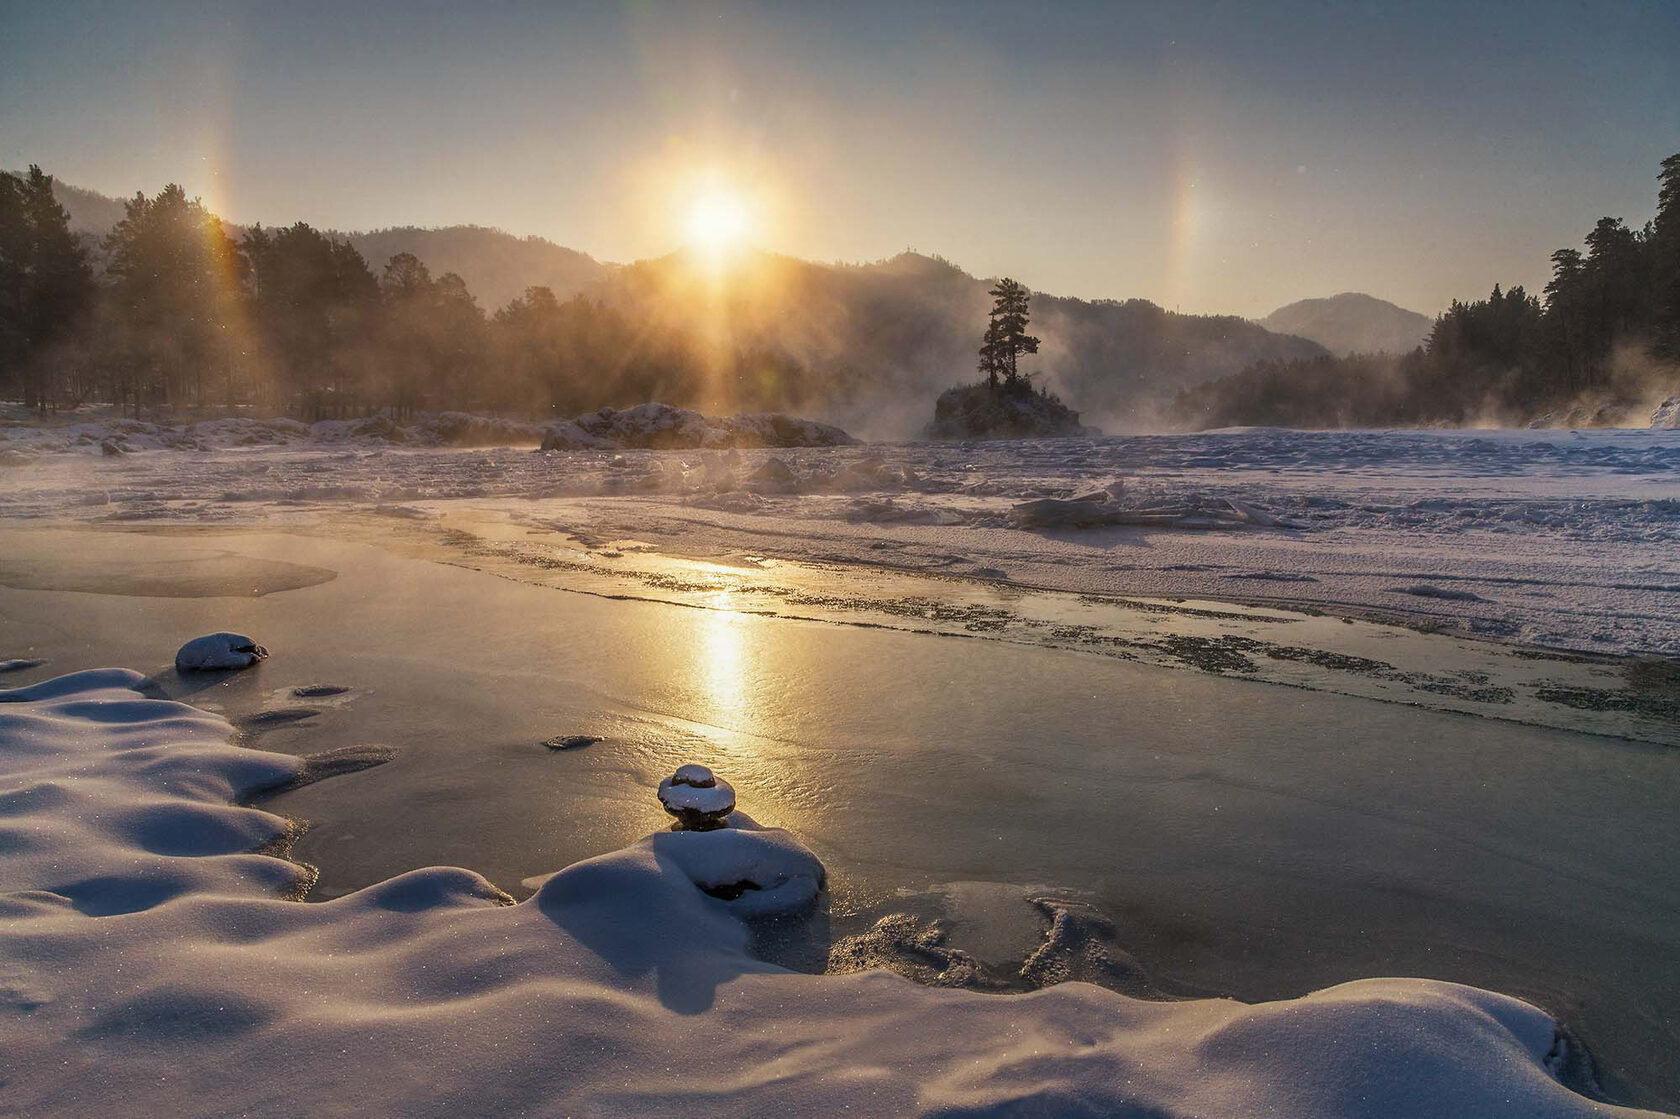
(876, 342)
(1352, 323)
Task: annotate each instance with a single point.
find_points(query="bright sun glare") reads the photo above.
(717, 220)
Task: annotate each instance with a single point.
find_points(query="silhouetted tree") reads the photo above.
(1006, 337)
(1507, 354)
(315, 303)
(177, 282)
(1664, 248)
(46, 285)
(435, 337)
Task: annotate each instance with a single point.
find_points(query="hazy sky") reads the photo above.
(1213, 157)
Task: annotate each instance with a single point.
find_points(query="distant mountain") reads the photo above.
(906, 329)
(1352, 323)
(497, 266)
(90, 211)
(875, 343)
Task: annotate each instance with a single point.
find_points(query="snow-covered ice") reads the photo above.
(97, 431)
(153, 961)
(1556, 538)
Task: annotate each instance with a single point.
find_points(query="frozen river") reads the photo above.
(1242, 838)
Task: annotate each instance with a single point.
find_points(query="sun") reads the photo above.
(718, 219)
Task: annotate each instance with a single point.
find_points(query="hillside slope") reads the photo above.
(901, 330)
(1352, 323)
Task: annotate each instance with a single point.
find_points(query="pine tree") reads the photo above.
(46, 285)
(993, 363)
(1664, 249)
(314, 301)
(178, 282)
(1006, 336)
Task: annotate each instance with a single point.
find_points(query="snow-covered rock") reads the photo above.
(755, 871)
(697, 797)
(571, 741)
(216, 651)
(1667, 413)
(657, 425)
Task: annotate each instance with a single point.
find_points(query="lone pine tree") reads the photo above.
(1006, 336)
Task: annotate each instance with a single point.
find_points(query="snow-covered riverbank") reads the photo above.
(1203, 835)
(152, 959)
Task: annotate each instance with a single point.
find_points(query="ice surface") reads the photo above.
(151, 959)
(1565, 538)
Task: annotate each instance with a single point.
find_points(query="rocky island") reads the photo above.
(982, 411)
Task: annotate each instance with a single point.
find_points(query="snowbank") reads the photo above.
(662, 426)
(148, 956)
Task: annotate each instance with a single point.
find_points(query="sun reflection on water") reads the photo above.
(722, 663)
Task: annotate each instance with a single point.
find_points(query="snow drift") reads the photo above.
(151, 956)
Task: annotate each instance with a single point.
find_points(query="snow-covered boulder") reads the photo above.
(1054, 512)
(659, 426)
(697, 797)
(217, 651)
(463, 429)
(774, 476)
(570, 436)
(757, 871)
(379, 428)
(775, 429)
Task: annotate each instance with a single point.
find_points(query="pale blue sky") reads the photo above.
(1216, 157)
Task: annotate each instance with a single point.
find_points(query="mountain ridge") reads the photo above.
(905, 328)
(1352, 322)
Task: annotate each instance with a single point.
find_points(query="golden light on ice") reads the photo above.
(723, 663)
(717, 219)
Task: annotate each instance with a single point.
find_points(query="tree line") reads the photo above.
(295, 320)
(1605, 334)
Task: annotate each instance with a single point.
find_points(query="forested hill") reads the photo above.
(907, 328)
(1600, 348)
(497, 266)
(447, 318)
(90, 212)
